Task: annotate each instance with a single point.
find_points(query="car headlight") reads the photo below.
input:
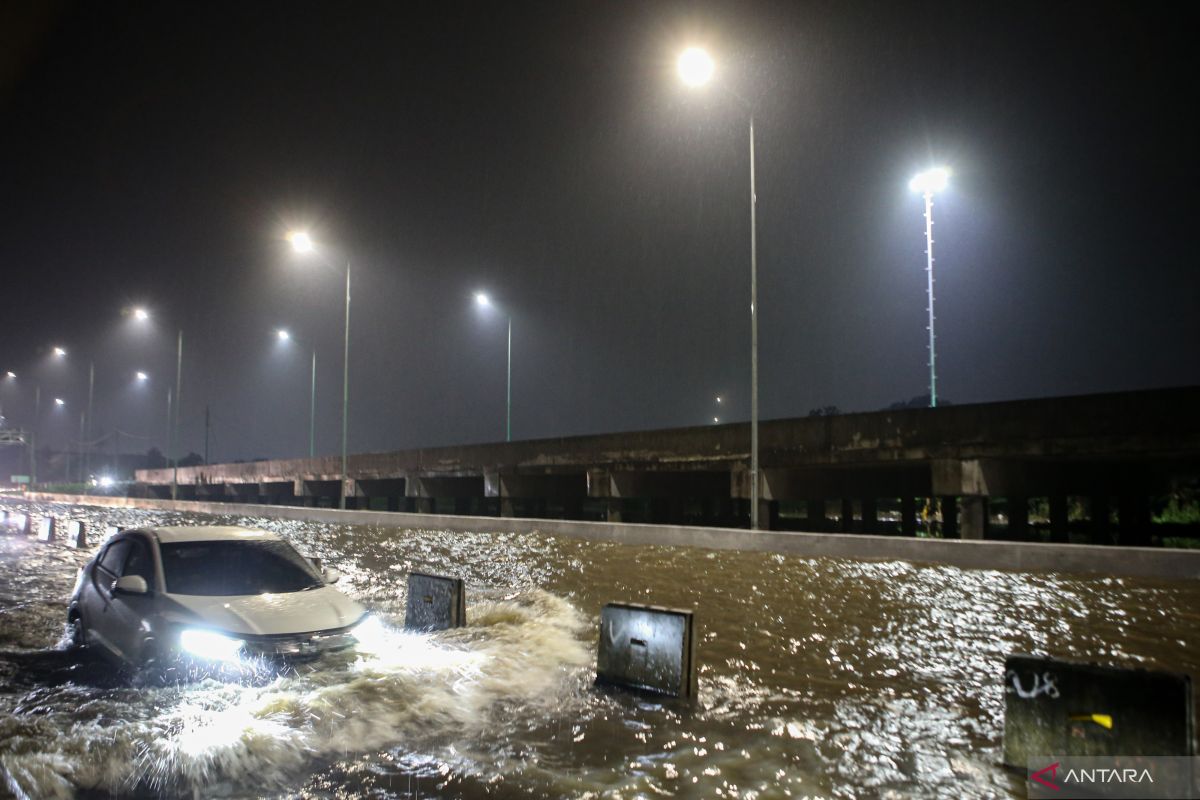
(210, 645)
(370, 633)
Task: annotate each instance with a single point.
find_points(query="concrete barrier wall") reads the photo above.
(1021, 556)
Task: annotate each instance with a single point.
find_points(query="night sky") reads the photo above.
(158, 153)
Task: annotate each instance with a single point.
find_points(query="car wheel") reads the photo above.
(76, 636)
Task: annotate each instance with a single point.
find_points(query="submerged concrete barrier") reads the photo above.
(434, 603)
(46, 529)
(647, 649)
(1151, 562)
(77, 534)
(1063, 708)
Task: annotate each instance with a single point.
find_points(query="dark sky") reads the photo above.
(157, 153)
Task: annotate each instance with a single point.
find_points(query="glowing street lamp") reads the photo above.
(303, 244)
(483, 301)
(142, 315)
(58, 401)
(695, 66)
(284, 336)
(696, 69)
(60, 352)
(927, 183)
(142, 377)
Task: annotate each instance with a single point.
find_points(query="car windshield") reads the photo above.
(236, 567)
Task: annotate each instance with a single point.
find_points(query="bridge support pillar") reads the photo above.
(949, 509)
(1058, 518)
(1018, 518)
(1098, 517)
(870, 515)
(815, 515)
(908, 515)
(1133, 519)
(768, 515)
(975, 516)
(847, 520)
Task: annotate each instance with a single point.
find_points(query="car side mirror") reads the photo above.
(331, 575)
(130, 584)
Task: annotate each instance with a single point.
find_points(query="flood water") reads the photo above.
(817, 678)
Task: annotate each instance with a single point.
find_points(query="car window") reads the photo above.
(114, 557)
(140, 562)
(220, 567)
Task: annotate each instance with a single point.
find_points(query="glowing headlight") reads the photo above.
(211, 645)
(370, 633)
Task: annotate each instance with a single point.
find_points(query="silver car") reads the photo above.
(216, 594)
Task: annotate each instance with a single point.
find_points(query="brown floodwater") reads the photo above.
(817, 677)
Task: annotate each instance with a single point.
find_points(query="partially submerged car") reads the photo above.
(153, 595)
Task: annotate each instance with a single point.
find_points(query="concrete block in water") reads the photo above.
(46, 529)
(77, 534)
(434, 603)
(30, 526)
(1062, 708)
(110, 531)
(647, 648)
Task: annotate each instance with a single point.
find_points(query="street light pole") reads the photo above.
(345, 386)
(929, 182)
(696, 69)
(508, 389)
(929, 274)
(312, 408)
(753, 340)
(178, 399)
(302, 243)
(86, 433)
(483, 301)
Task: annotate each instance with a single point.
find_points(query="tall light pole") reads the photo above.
(483, 301)
(284, 336)
(302, 243)
(927, 183)
(142, 315)
(696, 69)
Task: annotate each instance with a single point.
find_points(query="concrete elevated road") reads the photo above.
(1107, 454)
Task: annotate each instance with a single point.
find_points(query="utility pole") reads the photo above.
(207, 427)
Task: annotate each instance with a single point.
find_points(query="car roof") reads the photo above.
(208, 533)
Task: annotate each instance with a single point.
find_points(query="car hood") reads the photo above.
(271, 614)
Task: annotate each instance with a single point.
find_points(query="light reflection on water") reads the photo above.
(817, 677)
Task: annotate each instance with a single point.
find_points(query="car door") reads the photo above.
(129, 614)
(97, 602)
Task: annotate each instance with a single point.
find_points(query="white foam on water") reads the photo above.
(401, 688)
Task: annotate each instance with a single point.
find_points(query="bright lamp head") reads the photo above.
(930, 181)
(695, 66)
(210, 645)
(482, 300)
(301, 242)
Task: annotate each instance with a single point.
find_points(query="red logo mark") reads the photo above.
(1039, 776)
